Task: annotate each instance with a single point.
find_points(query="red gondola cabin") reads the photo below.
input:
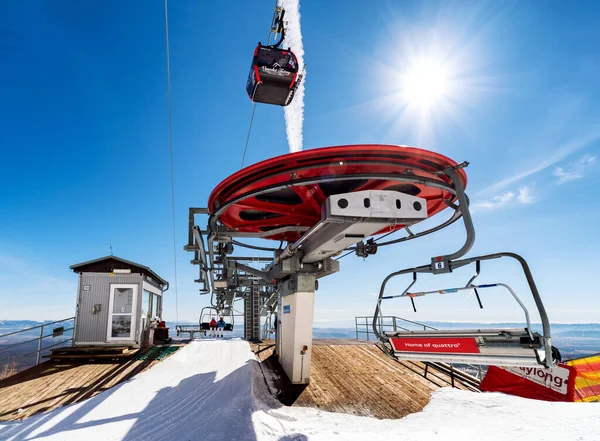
(273, 77)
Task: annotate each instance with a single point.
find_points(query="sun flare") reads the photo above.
(425, 83)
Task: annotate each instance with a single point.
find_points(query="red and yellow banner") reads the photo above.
(587, 378)
(554, 384)
(573, 380)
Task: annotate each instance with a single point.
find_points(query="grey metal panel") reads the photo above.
(92, 328)
(152, 281)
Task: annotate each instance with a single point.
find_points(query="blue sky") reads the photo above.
(85, 155)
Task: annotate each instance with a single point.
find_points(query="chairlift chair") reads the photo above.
(508, 347)
(502, 347)
(208, 312)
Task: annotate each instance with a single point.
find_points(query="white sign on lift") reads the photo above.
(352, 217)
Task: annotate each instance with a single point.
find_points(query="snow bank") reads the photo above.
(214, 390)
(202, 392)
(451, 415)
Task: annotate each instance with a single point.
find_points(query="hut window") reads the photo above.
(121, 326)
(159, 305)
(146, 305)
(122, 307)
(153, 305)
(123, 300)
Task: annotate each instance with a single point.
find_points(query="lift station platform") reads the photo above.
(315, 205)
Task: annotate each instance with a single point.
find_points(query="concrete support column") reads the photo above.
(296, 310)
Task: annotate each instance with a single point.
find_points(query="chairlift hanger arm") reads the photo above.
(278, 27)
(456, 215)
(200, 258)
(191, 222)
(466, 214)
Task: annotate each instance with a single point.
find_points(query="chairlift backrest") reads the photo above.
(208, 313)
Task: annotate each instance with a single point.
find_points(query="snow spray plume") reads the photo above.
(294, 113)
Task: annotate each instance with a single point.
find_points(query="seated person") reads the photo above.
(213, 327)
(220, 327)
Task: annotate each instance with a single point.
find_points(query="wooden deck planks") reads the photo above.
(347, 376)
(57, 383)
(357, 379)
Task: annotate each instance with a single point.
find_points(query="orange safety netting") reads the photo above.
(587, 380)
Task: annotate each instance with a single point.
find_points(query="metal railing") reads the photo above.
(267, 327)
(57, 331)
(191, 330)
(395, 324)
(386, 323)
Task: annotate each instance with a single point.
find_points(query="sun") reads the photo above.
(425, 83)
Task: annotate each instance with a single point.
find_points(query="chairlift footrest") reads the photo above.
(508, 347)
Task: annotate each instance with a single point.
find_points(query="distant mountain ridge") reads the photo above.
(23, 323)
(564, 329)
(573, 340)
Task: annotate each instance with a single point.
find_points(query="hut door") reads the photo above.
(122, 312)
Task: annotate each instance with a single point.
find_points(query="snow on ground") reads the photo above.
(451, 415)
(202, 392)
(213, 389)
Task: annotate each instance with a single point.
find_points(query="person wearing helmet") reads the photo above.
(213, 327)
(220, 327)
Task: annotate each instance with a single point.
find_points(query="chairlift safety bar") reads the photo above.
(468, 288)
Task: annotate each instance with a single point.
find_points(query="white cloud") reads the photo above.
(524, 196)
(494, 203)
(573, 171)
(558, 155)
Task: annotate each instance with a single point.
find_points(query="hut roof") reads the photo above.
(108, 264)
